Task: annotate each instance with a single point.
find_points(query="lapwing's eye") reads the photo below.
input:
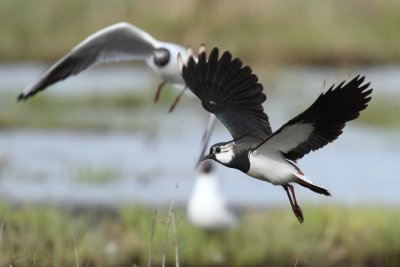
(217, 150)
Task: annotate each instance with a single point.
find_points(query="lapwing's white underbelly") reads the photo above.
(275, 170)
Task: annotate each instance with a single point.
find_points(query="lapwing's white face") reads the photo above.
(224, 154)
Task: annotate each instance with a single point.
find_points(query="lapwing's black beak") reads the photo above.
(209, 156)
(203, 158)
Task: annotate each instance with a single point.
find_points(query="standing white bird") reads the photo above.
(233, 94)
(207, 207)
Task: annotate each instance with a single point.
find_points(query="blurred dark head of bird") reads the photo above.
(161, 57)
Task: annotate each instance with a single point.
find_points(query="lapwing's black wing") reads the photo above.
(231, 92)
(322, 122)
(118, 42)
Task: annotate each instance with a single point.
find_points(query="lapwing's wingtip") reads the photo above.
(189, 51)
(365, 89)
(360, 78)
(202, 48)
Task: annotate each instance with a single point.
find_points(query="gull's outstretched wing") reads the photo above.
(118, 42)
(321, 123)
(230, 91)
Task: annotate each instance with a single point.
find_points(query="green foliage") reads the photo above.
(312, 31)
(90, 175)
(382, 112)
(330, 236)
(130, 111)
(119, 111)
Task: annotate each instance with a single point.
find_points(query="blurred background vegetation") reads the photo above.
(262, 32)
(267, 35)
(332, 236)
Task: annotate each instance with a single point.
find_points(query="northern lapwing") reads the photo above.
(207, 207)
(231, 91)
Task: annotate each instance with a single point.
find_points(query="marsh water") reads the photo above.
(115, 167)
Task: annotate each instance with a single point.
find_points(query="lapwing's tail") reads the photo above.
(304, 181)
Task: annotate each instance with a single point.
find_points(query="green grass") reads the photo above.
(265, 32)
(95, 176)
(382, 112)
(120, 111)
(330, 236)
(129, 112)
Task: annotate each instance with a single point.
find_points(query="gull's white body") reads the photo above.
(207, 208)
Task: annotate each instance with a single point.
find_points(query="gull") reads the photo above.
(115, 43)
(119, 42)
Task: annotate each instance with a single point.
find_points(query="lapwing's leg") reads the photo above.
(295, 207)
(160, 86)
(177, 99)
(287, 192)
(297, 210)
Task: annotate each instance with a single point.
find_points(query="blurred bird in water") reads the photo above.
(207, 207)
(233, 94)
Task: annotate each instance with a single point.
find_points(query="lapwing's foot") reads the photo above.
(298, 213)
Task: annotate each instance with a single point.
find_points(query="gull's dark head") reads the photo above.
(221, 152)
(161, 56)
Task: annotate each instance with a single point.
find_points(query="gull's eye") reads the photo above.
(217, 150)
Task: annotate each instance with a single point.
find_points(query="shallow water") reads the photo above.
(362, 166)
